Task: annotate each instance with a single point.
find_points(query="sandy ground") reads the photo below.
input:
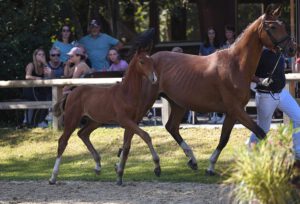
(108, 192)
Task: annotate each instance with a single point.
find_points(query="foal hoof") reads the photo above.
(97, 172)
(192, 165)
(157, 171)
(210, 173)
(52, 182)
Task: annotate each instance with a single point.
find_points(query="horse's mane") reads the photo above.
(143, 42)
(236, 42)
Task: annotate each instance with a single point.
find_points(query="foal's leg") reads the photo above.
(225, 134)
(132, 127)
(172, 127)
(124, 155)
(70, 126)
(84, 134)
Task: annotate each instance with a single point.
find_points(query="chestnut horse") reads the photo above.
(219, 82)
(116, 104)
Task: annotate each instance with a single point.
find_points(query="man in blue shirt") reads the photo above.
(97, 45)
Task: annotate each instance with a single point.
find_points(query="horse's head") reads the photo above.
(273, 33)
(145, 65)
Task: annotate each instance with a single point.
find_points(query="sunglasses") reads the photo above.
(65, 30)
(55, 55)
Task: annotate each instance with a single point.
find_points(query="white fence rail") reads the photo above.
(57, 85)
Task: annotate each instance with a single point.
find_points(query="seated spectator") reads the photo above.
(87, 60)
(230, 36)
(210, 44)
(116, 63)
(177, 49)
(97, 45)
(37, 69)
(55, 64)
(64, 42)
(79, 68)
(297, 62)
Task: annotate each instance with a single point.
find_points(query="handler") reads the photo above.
(270, 94)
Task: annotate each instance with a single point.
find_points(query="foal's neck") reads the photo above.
(248, 49)
(132, 82)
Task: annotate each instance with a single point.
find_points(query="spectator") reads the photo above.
(87, 60)
(230, 36)
(55, 64)
(116, 63)
(210, 44)
(64, 42)
(97, 45)
(177, 49)
(271, 94)
(79, 68)
(297, 63)
(37, 69)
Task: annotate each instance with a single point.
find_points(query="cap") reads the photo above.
(94, 23)
(76, 51)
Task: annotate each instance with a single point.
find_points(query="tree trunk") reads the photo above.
(154, 18)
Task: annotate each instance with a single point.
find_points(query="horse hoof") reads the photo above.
(52, 182)
(157, 171)
(210, 173)
(192, 165)
(97, 172)
(119, 182)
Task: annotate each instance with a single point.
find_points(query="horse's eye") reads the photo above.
(272, 27)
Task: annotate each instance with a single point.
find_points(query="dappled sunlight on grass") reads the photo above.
(30, 154)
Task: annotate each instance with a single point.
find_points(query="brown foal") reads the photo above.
(111, 105)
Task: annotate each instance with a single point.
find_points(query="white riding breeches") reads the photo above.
(266, 104)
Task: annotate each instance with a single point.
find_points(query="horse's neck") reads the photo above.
(248, 49)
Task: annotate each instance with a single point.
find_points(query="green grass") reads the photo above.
(30, 155)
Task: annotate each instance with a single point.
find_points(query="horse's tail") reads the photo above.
(58, 108)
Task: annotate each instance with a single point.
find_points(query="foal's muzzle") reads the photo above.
(152, 77)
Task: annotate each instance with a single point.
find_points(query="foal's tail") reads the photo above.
(58, 108)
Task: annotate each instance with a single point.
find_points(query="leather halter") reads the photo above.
(276, 42)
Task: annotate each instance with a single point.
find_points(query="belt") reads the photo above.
(266, 91)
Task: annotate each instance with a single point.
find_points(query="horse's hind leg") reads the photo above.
(84, 134)
(172, 127)
(123, 156)
(225, 134)
(70, 126)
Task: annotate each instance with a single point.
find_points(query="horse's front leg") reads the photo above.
(241, 115)
(123, 156)
(84, 135)
(172, 127)
(225, 134)
(134, 128)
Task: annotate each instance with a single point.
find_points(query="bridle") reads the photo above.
(276, 42)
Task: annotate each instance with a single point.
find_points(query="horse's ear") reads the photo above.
(273, 10)
(277, 12)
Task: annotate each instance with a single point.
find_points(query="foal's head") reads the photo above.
(273, 33)
(144, 65)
